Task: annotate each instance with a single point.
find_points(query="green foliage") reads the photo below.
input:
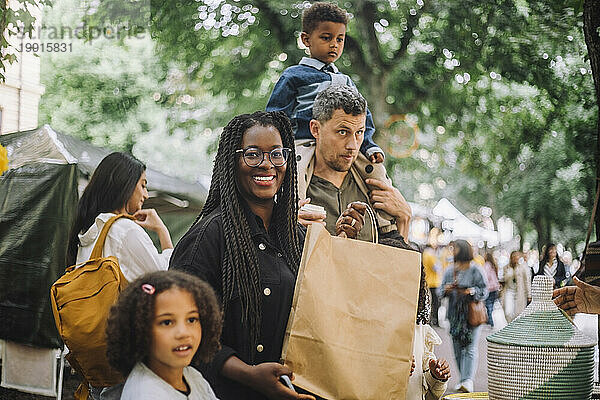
(501, 91)
(113, 93)
(18, 19)
(107, 100)
(541, 90)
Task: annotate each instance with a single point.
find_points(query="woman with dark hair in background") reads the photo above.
(552, 266)
(247, 245)
(463, 282)
(118, 186)
(491, 274)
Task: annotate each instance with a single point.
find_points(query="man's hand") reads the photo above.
(582, 298)
(439, 369)
(389, 199)
(351, 221)
(309, 217)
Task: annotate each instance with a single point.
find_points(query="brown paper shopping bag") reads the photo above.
(352, 322)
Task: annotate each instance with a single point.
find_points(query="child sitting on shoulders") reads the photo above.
(323, 33)
(161, 322)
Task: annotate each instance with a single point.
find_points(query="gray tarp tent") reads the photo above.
(38, 198)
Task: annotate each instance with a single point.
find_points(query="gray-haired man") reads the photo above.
(328, 174)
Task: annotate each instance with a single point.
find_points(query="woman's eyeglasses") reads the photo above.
(254, 157)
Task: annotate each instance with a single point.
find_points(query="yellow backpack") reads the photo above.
(81, 301)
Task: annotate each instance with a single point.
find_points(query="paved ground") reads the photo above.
(445, 351)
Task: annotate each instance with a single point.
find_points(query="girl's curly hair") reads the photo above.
(128, 331)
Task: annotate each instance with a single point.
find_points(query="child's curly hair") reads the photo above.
(322, 12)
(128, 331)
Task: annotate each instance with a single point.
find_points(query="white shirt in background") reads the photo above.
(127, 241)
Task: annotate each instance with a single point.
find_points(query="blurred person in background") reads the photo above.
(463, 282)
(491, 273)
(552, 266)
(533, 261)
(433, 277)
(118, 186)
(478, 258)
(570, 266)
(516, 292)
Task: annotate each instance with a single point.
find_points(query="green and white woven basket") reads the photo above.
(541, 354)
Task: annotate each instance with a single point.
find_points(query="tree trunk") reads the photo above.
(540, 227)
(521, 229)
(591, 25)
(377, 105)
(548, 230)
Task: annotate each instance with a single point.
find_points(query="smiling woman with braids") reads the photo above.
(247, 245)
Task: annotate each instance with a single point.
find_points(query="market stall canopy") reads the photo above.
(446, 210)
(419, 210)
(44, 145)
(461, 226)
(38, 200)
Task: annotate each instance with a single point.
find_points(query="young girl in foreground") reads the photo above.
(161, 322)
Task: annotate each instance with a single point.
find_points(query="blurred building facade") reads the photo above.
(21, 92)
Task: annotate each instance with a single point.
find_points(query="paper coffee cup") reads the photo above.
(313, 208)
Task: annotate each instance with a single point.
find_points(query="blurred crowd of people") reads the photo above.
(508, 275)
(459, 274)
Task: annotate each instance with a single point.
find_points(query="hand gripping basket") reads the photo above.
(541, 354)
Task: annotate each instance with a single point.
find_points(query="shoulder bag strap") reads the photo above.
(97, 250)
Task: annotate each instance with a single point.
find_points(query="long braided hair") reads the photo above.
(240, 268)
